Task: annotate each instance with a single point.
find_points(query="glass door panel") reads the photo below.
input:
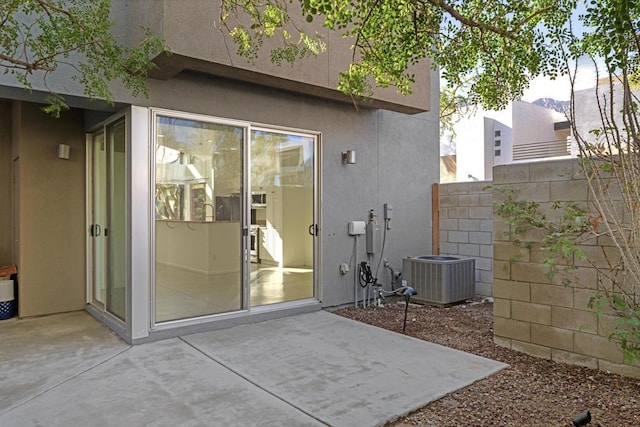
(199, 220)
(115, 232)
(99, 217)
(108, 218)
(282, 217)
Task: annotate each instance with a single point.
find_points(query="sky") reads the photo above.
(560, 89)
(542, 87)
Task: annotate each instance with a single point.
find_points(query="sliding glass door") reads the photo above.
(282, 216)
(199, 239)
(107, 215)
(235, 216)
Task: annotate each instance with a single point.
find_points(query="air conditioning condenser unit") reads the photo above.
(440, 279)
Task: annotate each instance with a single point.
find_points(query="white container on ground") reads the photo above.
(7, 300)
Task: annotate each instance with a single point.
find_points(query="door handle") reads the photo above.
(94, 230)
(313, 229)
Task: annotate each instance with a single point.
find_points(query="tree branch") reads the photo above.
(25, 65)
(483, 25)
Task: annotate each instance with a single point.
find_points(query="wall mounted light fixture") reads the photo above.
(63, 151)
(349, 157)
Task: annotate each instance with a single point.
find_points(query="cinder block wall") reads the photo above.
(466, 227)
(532, 313)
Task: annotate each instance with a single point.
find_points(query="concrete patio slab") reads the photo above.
(306, 370)
(166, 383)
(37, 354)
(343, 372)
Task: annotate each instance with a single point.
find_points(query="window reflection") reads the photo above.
(198, 168)
(281, 212)
(198, 218)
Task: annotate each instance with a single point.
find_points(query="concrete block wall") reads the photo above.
(466, 227)
(541, 316)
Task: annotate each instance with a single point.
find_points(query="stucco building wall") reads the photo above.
(6, 194)
(50, 196)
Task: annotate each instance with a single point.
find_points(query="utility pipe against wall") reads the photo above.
(435, 219)
(363, 274)
(355, 273)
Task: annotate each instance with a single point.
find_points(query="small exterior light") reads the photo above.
(349, 157)
(63, 151)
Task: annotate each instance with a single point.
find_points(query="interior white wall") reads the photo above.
(297, 209)
(202, 247)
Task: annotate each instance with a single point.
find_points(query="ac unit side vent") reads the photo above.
(440, 279)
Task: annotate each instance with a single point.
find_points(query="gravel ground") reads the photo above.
(530, 392)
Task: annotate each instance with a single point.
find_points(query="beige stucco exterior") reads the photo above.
(49, 203)
(6, 194)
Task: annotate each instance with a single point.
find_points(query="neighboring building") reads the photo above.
(220, 199)
(593, 105)
(522, 131)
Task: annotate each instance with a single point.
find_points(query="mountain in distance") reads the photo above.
(553, 104)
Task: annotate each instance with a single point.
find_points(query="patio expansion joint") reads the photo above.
(235, 372)
(55, 386)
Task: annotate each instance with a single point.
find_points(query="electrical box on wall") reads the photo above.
(356, 228)
(373, 238)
